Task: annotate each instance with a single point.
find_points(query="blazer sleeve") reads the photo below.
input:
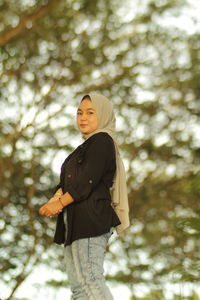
(99, 154)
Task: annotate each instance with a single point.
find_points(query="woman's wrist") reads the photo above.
(59, 192)
(66, 199)
(61, 202)
(56, 196)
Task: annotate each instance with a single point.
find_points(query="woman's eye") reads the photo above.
(88, 113)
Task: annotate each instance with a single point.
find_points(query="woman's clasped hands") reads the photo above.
(52, 207)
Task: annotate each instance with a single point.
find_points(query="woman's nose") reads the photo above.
(83, 117)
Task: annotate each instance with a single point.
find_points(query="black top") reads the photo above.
(87, 174)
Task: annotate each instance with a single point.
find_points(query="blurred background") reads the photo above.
(144, 55)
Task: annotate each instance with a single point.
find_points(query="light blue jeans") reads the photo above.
(84, 260)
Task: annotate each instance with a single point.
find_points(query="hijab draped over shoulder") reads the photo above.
(107, 123)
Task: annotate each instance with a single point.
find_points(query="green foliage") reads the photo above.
(52, 53)
(158, 295)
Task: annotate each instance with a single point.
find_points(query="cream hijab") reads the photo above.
(107, 121)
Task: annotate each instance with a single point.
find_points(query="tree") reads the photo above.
(52, 52)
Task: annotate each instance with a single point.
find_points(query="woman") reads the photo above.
(90, 199)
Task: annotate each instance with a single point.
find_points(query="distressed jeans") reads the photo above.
(84, 260)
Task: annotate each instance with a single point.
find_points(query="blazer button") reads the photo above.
(79, 161)
(81, 146)
(90, 181)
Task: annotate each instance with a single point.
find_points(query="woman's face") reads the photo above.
(87, 120)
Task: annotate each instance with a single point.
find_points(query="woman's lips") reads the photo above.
(83, 125)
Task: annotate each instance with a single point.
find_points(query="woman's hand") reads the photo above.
(51, 208)
(54, 198)
(56, 204)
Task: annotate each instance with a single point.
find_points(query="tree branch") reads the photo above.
(13, 32)
(18, 131)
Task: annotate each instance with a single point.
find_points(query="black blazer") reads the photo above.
(87, 174)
